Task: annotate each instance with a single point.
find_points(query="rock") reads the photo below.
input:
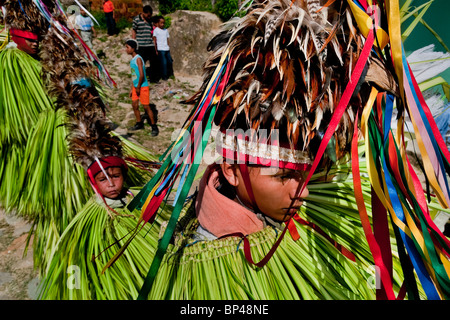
(5, 277)
(190, 32)
(20, 226)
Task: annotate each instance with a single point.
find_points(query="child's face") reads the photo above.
(113, 187)
(30, 46)
(160, 23)
(147, 16)
(276, 191)
(129, 49)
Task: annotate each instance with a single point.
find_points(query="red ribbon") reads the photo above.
(377, 254)
(347, 253)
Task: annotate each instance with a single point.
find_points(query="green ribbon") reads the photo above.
(163, 244)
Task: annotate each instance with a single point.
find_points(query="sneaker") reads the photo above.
(155, 130)
(137, 126)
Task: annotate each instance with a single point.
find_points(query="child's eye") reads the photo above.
(283, 176)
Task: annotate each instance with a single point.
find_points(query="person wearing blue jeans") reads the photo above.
(165, 60)
(161, 40)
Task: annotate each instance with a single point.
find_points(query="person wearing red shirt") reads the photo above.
(108, 9)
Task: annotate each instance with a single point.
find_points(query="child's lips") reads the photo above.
(292, 209)
(113, 193)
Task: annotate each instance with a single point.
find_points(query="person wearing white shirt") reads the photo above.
(85, 24)
(161, 40)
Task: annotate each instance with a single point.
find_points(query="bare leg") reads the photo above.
(150, 114)
(137, 114)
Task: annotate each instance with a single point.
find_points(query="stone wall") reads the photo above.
(190, 33)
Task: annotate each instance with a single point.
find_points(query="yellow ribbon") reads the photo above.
(372, 168)
(365, 23)
(395, 33)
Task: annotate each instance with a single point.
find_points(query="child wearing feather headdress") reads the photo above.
(36, 172)
(322, 73)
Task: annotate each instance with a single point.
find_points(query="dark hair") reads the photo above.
(148, 9)
(132, 43)
(157, 18)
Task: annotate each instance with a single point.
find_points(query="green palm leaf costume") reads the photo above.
(40, 181)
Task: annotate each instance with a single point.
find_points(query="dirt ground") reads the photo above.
(166, 95)
(18, 279)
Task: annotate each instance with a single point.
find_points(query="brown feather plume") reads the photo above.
(24, 15)
(71, 78)
(292, 61)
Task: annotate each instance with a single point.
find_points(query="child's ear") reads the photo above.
(230, 173)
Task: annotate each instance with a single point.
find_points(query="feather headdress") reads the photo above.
(291, 63)
(24, 15)
(71, 78)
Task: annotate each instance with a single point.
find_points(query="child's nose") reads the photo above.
(298, 190)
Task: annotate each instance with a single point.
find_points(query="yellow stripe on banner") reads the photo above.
(395, 34)
(445, 261)
(371, 167)
(365, 24)
(417, 233)
(400, 224)
(225, 55)
(150, 196)
(402, 147)
(366, 112)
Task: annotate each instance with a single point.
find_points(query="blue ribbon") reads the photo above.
(414, 255)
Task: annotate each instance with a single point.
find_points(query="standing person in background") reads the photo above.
(142, 32)
(108, 9)
(86, 26)
(162, 48)
(140, 89)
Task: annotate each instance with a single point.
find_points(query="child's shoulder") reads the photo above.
(135, 57)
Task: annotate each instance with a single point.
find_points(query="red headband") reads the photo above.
(23, 34)
(239, 147)
(111, 161)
